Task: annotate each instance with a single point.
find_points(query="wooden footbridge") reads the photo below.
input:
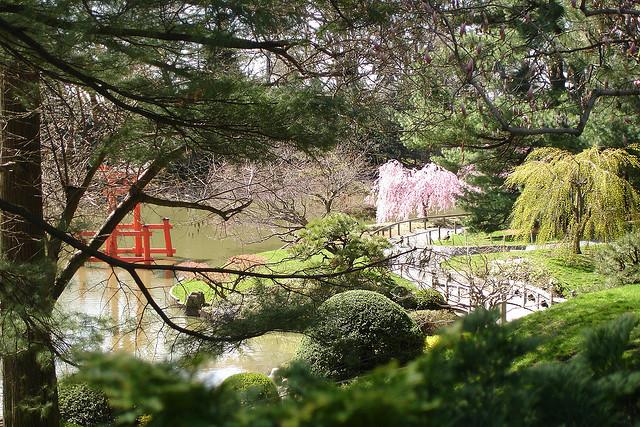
(435, 222)
(422, 265)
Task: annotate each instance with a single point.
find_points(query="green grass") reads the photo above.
(181, 290)
(573, 272)
(563, 325)
(278, 261)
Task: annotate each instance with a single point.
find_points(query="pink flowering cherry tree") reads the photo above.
(400, 192)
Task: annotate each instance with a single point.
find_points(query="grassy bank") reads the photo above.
(279, 261)
(563, 325)
(575, 273)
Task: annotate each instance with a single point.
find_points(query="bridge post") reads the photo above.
(146, 242)
(167, 236)
(503, 312)
(137, 226)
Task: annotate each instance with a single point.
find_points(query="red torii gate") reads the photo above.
(118, 183)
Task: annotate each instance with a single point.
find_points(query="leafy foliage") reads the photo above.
(83, 405)
(136, 388)
(338, 243)
(567, 195)
(488, 203)
(619, 260)
(429, 299)
(357, 331)
(493, 81)
(252, 388)
(401, 295)
(265, 307)
(344, 238)
(466, 379)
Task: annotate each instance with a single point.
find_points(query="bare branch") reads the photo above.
(225, 214)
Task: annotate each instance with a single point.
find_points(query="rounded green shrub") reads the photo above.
(402, 296)
(252, 388)
(429, 321)
(357, 331)
(619, 261)
(429, 299)
(83, 405)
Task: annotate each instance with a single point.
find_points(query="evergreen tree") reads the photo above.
(231, 79)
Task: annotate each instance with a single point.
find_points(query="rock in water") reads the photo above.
(195, 302)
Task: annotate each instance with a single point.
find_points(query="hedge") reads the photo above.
(357, 331)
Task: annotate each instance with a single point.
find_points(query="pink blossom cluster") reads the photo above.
(400, 192)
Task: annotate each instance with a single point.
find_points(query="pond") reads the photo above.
(105, 293)
(109, 294)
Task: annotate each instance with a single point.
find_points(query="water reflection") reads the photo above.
(111, 295)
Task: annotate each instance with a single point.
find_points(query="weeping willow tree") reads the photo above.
(573, 196)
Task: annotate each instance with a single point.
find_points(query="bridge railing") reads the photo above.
(460, 294)
(518, 293)
(388, 230)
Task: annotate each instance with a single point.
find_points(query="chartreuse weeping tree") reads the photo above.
(572, 196)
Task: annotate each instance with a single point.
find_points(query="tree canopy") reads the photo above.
(494, 73)
(575, 195)
(138, 86)
(401, 192)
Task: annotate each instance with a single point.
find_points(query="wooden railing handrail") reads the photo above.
(421, 219)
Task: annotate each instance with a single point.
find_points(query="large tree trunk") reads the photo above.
(576, 245)
(29, 378)
(578, 235)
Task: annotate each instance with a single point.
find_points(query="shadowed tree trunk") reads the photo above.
(29, 379)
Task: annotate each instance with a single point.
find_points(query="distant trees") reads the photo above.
(286, 192)
(574, 195)
(493, 74)
(502, 78)
(401, 192)
(296, 188)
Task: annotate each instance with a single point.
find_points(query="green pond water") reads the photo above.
(111, 295)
